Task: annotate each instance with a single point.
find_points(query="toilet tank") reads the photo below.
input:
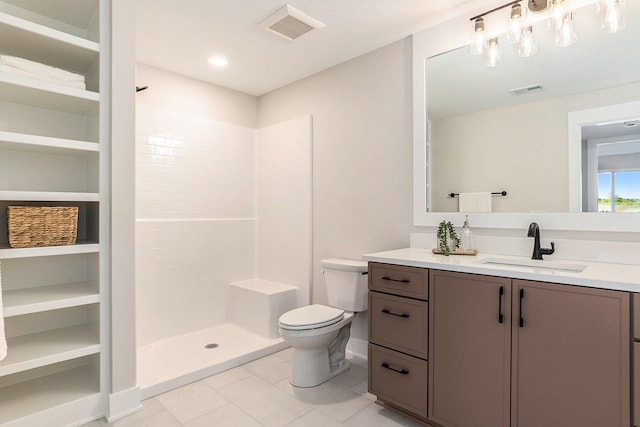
(346, 282)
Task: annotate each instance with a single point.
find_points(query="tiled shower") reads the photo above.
(215, 203)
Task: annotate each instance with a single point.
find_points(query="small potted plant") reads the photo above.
(448, 240)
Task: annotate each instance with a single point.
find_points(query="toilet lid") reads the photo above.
(311, 317)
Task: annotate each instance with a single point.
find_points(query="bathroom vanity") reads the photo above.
(497, 342)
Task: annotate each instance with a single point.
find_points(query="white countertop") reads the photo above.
(622, 277)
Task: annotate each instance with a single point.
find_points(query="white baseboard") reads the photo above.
(123, 403)
(358, 348)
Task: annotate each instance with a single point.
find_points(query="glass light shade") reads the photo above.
(527, 46)
(566, 34)
(556, 13)
(516, 23)
(613, 16)
(492, 55)
(478, 39)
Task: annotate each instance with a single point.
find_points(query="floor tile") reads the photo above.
(266, 403)
(270, 369)
(375, 415)
(258, 394)
(226, 416)
(332, 400)
(191, 401)
(314, 418)
(227, 377)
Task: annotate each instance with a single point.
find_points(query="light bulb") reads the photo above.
(492, 55)
(528, 46)
(566, 34)
(478, 39)
(556, 13)
(612, 15)
(516, 23)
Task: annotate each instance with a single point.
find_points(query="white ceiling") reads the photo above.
(180, 35)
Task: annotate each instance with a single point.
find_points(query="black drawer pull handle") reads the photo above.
(403, 315)
(500, 315)
(396, 280)
(400, 371)
(520, 308)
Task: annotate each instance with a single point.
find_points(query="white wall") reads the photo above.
(362, 153)
(195, 224)
(283, 187)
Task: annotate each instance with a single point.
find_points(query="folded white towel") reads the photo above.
(3, 339)
(16, 72)
(40, 69)
(475, 202)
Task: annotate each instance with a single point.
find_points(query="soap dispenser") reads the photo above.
(466, 239)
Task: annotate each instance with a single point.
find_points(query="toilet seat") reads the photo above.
(310, 317)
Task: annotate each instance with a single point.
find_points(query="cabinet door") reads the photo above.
(571, 350)
(469, 350)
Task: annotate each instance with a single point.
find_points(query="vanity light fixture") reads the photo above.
(492, 55)
(478, 40)
(527, 46)
(520, 31)
(566, 33)
(517, 18)
(612, 12)
(557, 12)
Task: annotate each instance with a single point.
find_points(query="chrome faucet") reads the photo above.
(534, 231)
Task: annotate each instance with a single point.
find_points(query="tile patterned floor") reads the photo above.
(259, 394)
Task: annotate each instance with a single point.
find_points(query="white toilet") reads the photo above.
(319, 333)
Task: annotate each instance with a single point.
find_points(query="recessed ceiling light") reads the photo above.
(218, 61)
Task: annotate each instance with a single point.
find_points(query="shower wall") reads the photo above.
(195, 220)
(216, 202)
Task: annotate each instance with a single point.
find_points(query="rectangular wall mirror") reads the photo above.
(559, 131)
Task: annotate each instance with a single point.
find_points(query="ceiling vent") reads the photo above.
(526, 89)
(290, 23)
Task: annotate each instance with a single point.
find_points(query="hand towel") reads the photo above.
(475, 202)
(3, 339)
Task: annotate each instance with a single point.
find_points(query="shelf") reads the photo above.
(26, 91)
(45, 144)
(81, 248)
(47, 45)
(48, 196)
(43, 298)
(31, 397)
(45, 348)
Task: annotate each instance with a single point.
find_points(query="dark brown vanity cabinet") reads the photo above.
(470, 352)
(517, 353)
(398, 337)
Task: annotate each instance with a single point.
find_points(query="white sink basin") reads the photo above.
(535, 263)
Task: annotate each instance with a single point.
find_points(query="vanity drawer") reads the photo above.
(400, 323)
(398, 379)
(411, 282)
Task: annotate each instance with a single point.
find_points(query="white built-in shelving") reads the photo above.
(51, 143)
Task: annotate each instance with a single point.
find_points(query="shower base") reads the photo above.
(180, 360)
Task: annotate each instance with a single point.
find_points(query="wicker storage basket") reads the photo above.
(32, 226)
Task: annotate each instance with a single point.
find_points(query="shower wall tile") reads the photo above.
(195, 228)
(192, 167)
(183, 271)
